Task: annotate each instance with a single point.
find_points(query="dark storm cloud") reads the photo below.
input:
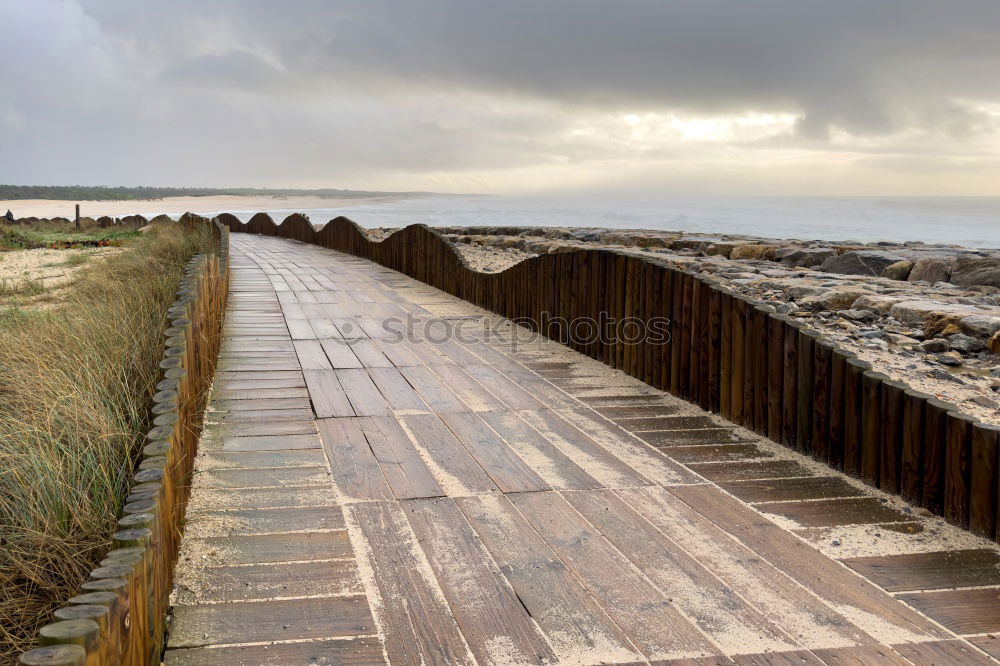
(438, 84)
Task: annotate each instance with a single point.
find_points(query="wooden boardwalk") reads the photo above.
(363, 497)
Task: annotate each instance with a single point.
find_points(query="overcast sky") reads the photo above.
(713, 96)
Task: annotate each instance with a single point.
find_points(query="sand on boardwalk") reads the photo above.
(201, 205)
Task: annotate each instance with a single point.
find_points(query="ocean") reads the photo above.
(968, 221)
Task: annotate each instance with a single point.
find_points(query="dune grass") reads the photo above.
(25, 238)
(76, 384)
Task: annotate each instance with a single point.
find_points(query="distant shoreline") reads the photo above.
(194, 204)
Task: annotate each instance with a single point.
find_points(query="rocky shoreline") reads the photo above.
(928, 315)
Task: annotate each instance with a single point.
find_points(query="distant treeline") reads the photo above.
(100, 193)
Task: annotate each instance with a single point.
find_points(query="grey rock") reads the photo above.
(804, 256)
(861, 262)
(858, 315)
(872, 334)
(938, 373)
(951, 359)
(838, 298)
(983, 401)
(935, 345)
(965, 343)
(785, 308)
(898, 270)
(972, 270)
(980, 326)
(931, 269)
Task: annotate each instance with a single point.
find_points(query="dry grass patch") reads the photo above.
(76, 383)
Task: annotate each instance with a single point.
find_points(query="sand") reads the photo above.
(201, 205)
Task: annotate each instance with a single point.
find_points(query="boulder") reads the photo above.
(970, 269)
(877, 303)
(753, 251)
(858, 315)
(838, 298)
(931, 269)
(861, 262)
(918, 311)
(723, 248)
(898, 270)
(965, 343)
(980, 325)
(804, 256)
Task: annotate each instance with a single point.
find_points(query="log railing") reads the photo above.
(120, 613)
(726, 353)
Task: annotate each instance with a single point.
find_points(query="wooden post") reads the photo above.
(983, 482)
(871, 425)
(853, 392)
(911, 472)
(77, 217)
(804, 421)
(775, 374)
(935, 437)
(892, 436)
(956, 468)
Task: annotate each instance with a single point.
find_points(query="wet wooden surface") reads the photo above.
(392, 475)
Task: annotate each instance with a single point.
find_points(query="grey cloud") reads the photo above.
(275, 91)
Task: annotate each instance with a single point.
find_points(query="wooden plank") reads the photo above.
(729, 621)
(930, 571)
(311, 355)
(222, 396)
(630, 449)
(495, 624)
(642, 611)
(768, 469)
(417, 625)
(355, 470)
(502, 387)
(975, 611)
(826, 578)
(267, 443)
(403, 467)
(721, 453)
(269, 403)
(831, 512)
(255, 621)
(588, 454)
(432, 389)
(667, 423)
(282, 520)
(508, 471)
(454, 467)
(340, 354)
(234, 430)
(754, 579)
(300, 329)
(364, 651)
(471, 392)
(328, 396)
(577, 627)
(369, 354)
(785, 489)
(866, 655)
(397, 391)
(797, 658)
(365, 398)
(665, 439)
(943, 652)
(265, 548)
(271, 581)
(258, 415)
(551, 464)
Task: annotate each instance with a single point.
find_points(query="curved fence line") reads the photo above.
(727, 353)
(119, 616)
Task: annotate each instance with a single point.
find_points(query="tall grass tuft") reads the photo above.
(76, 384)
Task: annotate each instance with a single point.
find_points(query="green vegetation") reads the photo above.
(101, 193)
(76, 384)
(25, 238)
(25, 288)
